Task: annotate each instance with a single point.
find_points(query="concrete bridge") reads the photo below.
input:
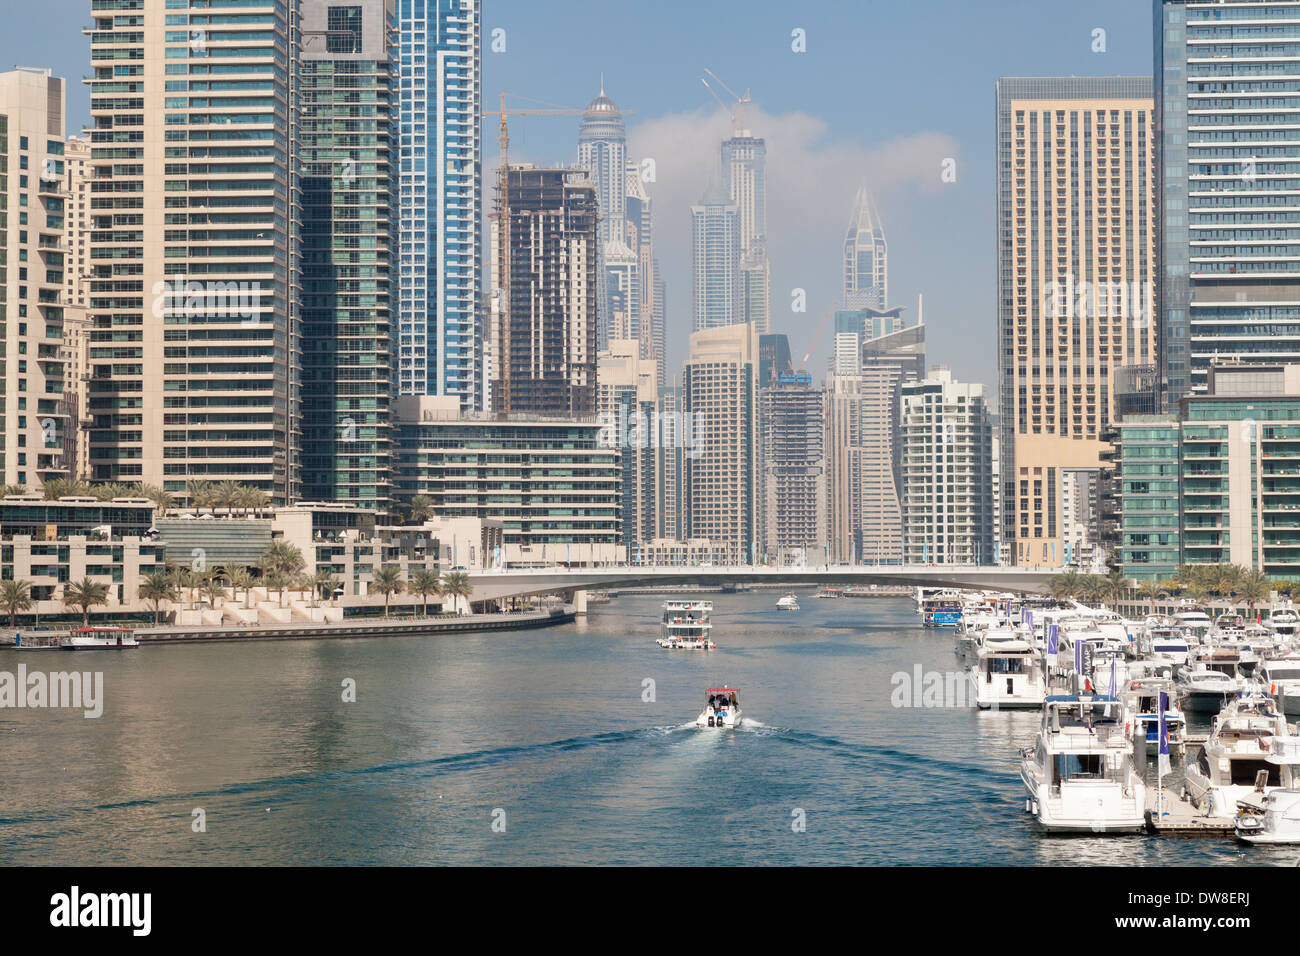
(521, 582)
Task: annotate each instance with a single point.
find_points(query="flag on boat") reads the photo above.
(1111, 691)
(1053, 643)
(1162, 761)
(1078, 655)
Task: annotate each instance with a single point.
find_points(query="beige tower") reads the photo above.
(1076, 252)
(36, 426)
(720, 392)
(194, 254)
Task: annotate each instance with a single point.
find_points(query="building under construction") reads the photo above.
(544, 322)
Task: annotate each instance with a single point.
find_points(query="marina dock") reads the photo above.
(1180, 818)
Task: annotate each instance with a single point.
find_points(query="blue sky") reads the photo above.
(884, 92)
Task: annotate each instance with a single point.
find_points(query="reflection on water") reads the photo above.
(556, 729)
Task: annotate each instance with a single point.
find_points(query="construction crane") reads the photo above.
(738, 114)
(812, 345)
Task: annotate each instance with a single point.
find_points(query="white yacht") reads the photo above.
(721, 708)
(1227, 768)
(1142, 704)
(1080, 773)
(1008, 673)
(687, 626)
(1273, 816)
(1194, 621)
(1281, 678)
(1205, 690)
(1168, 645)
(788, 603)
(1285, 620)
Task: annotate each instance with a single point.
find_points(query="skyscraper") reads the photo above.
(441, 208)
(628, 402)
(195, 343)
(866, 257)
(1225, 103)
(544, 340)
(720, 478)
(744, 171)
(37, 440)
(791, 429)
(715, 259)
(947, 441)
(602, 152)
(347, 149)
(1076, 256)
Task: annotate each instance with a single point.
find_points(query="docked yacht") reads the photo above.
(1142, 703)
(1194, 621)
(1008, 673)
(687, 626)
(721, 708)
(100, 639)
(1205, 690)
(1227, 768)
(1080, 773)
(788, 603)
(1168, 645)
(941, 608)
(1285, 620)
(1281, 677)
(1273, 816)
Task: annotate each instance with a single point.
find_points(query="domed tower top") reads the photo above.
(602, 114)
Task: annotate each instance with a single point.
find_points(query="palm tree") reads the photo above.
(57, 488)
(199, 494)
(161, 498)
(1254, 587)
(214, 591)
(420, 508)
(323, 585)
(457, 584)
(258, 500)
(386, 581)
(1116, 584)
(13, 490)
(1151, 591)
(425, 582)
(284, 557)
(1094, 589)
(241, 578)
(276, 580)
(1066, 585)
(85, 594)
(1228, 578)
(15, 596)
(157, 587)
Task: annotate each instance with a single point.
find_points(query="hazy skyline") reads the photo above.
(882, 96)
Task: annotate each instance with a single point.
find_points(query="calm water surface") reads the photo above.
(550, 727)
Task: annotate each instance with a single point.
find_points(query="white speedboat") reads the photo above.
(1008, 674)
(788, 603)
(721, 708)
(100, 639)
(1280, 676)
(1273, 816)
(687, 626)
(1227, 768)
(1080, 773)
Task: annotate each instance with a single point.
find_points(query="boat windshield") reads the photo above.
(1284, 673)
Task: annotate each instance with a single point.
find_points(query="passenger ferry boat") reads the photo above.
(687, 626)
(100, 639)
(1273, 816)
(1233, 763)
(1080, 773)
(1008, 673)
(721, 708)
(788, 603)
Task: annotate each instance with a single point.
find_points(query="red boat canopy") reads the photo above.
(722, 690)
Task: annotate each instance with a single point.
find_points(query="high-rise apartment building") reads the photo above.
(947, 471)
(37, 428)
(544, 340)
(792, 506)
(720, 476)
(1229, 186)
(715, 261)
(194, 298)
(441, 205)
(348, 96)
(866, 257)
(1076, 254)
(627, 391)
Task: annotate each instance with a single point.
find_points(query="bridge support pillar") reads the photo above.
(580, 602)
